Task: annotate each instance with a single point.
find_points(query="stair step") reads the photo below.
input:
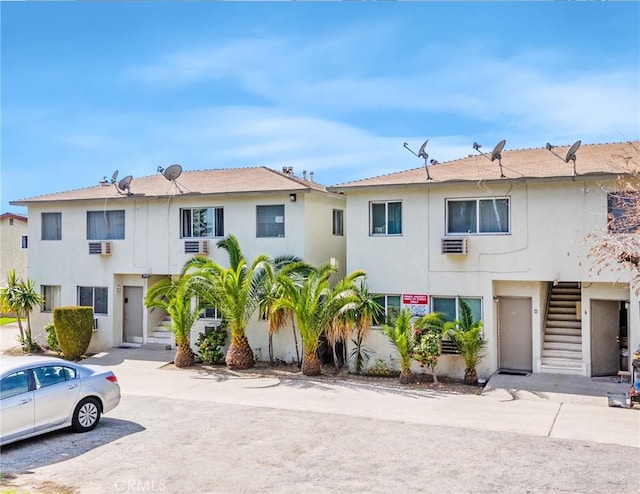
(551, 324)
(568, 309)
(562, 354)
(562, 345)
(552, 316)
(552, 368)
(564, 338)
(560, 297)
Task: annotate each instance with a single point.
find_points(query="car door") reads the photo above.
(16, 405)
(57, 388)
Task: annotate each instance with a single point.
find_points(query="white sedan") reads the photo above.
(42, 394)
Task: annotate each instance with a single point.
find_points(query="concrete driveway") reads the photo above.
(194, 430)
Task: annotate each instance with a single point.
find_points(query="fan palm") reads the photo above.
(316, 305)
(466, 334)
(401, 336)
(175, 297)
(234, 291)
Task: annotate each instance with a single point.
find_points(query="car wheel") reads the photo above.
(86, 415)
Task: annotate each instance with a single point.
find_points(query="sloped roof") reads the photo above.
(221, 181)
(540, 163)
(13, 216)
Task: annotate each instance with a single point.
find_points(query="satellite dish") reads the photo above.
(495, 154)
(571, 153)
(114, 177)
(172, 172)
(421, 151)
(125, 183)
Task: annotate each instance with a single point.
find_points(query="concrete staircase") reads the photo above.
(161, 338)
(562, 343)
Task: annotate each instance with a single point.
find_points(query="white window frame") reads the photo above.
(385, 306)
(103, 289)
(266, 229)
(24, 242)
(51, 296)
(478, 225)
(618, 212)
(51, 226)
(214, 214)
(104, 225)
(378, 230)
(338, 222)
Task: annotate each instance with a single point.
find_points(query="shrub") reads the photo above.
(52, 338)
(210, 346)
(73, 327)
(380, 368)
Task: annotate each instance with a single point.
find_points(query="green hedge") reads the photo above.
(73, 326)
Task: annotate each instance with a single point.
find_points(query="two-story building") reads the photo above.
(103, 246)
(506, 233)
(13, 245)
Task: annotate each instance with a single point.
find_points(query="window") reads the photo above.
(478, 216)
(450, 307)
(210, 313)
(391, 306)
(270, 221)
(51, 295)
(623, 212)
(338, 222)
(202, 222)
(24, 242)
(105, 225)
(51, 226)
(96, 297)
(385, 218)
(50, 375)
(14, 384)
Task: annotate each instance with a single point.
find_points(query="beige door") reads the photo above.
(132, 314)
(605, 331)
(515, 333)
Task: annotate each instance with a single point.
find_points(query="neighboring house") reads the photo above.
(13, 245)
(104, 246)
(512, 246)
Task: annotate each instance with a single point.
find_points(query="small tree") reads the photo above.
(401, 336)
(73, 327)
(428, 332)
(21, 297)
(466, 335)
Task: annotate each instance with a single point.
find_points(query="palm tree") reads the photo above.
(401, 336)
(466, 334)
(21, 297)
(271, 290)
(176, 298)
(359, 320)
(234, 291)
(315, 306)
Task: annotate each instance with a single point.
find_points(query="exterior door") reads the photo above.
(605, 333)
(515, 333)
(132, 314)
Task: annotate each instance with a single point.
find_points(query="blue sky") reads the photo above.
(330, 87)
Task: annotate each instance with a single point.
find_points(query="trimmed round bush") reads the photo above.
(73, 326)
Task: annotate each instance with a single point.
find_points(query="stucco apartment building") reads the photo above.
(507, 235)
(13, 245)
(105, 245)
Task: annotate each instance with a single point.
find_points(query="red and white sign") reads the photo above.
(414, 299)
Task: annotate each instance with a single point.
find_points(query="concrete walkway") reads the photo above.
(541, 405)
(558, 406)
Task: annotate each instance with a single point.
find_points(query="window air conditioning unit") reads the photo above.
(454, 245)
(196, 247)
(101, 248)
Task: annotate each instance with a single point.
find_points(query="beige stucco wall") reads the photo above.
(12, 255)
(549, 221)
(152, 246)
